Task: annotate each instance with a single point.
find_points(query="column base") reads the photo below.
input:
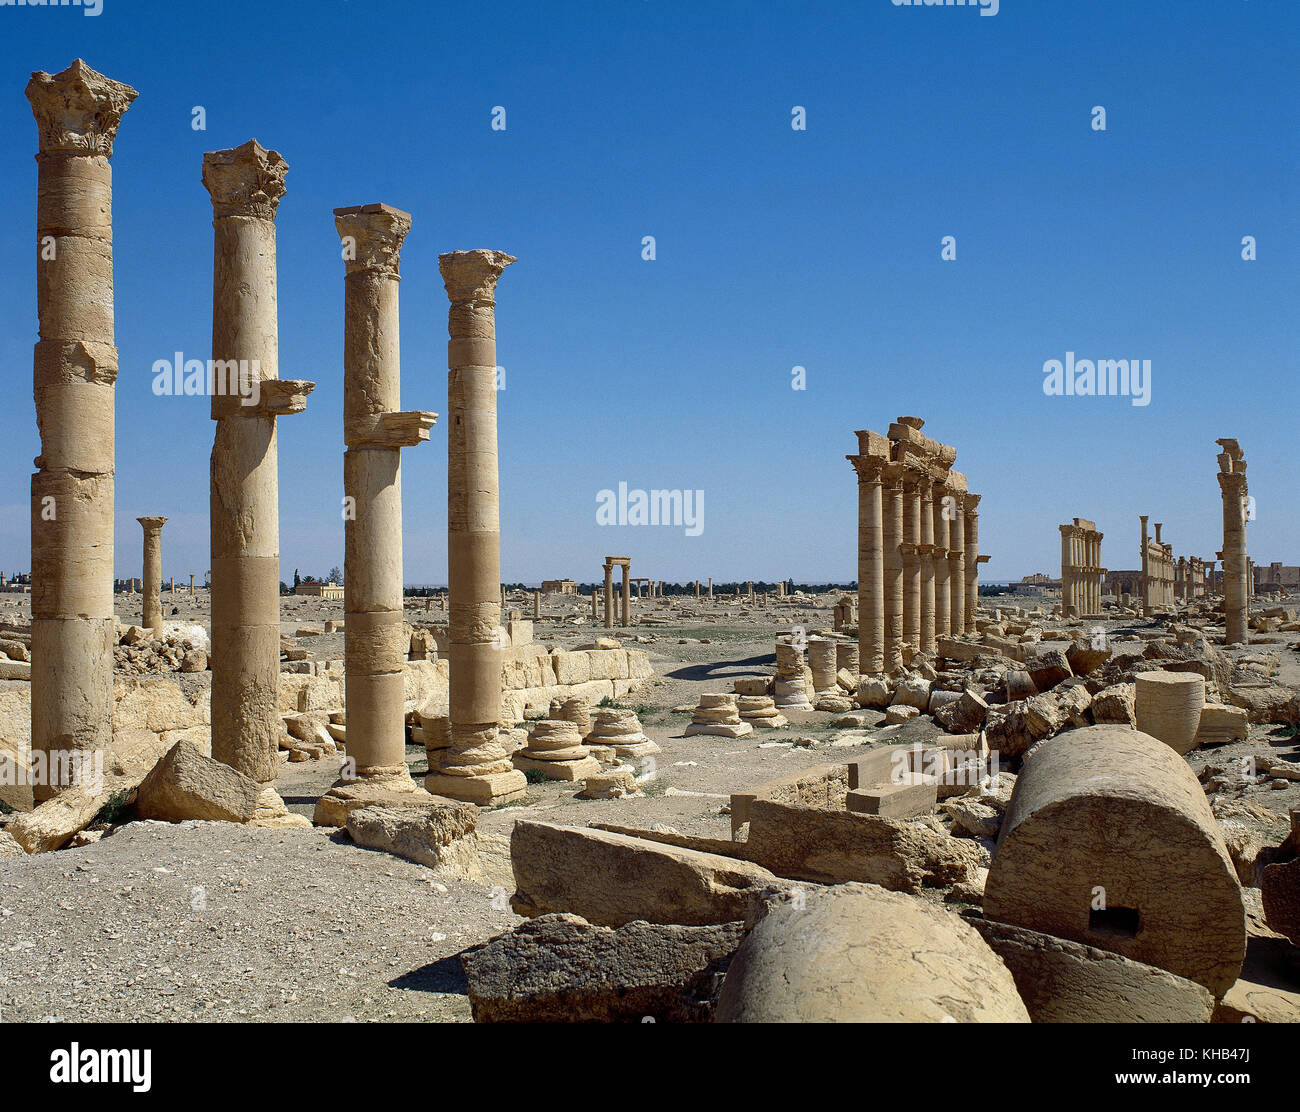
(558, 770)
(346, 796)
(271, 812)
(486, 791)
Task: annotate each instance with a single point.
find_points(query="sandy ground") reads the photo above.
(219, 922)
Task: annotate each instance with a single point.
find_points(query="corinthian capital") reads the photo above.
(245, 181)
(472, 275)
(375, 234)
(77, 111)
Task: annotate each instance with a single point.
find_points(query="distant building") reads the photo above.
(559, 587)
(1039, 583)
(1124, 583)
(1276, 577)
(320, 590)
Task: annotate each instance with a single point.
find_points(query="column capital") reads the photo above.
(472, 275)
(376, 232)
(870, 469)
(973, 504)
(1232, 482)
(152, 524)
(245, 181)
(77, 111)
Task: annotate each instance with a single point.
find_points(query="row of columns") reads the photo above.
(75, 363)
(1157, 571)
(1081, 570)
(918, 537)
(625, 591)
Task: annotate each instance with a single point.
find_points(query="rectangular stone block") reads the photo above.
(611, 879)
(1221, 724)
(823, 786)
(572, 667)
(914, 795)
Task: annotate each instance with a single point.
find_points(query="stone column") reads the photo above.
(1232, 486)
(246, 184)
(595, 605)
(609, 596)
(374, 431)
(871, 564)
(912, 562)
(1146, 569)
(537, 605)
(151, 607)
(942, 594)
(477, 766)
(627, 597)
(892, 503)
(74, 370)
(926, 551)
(1067, 571)
(1096, 572)
(972, 516)
(957, 565)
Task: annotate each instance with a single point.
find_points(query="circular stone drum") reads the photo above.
(1108, 840)
(1169, 707)
(855, 953)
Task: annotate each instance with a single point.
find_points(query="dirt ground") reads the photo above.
(215, 921)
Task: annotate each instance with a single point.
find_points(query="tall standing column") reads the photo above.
(374, 431)
(912, 562)
(246, 184)
(972, 516)
(1232, 486)
(627, 597)
(871, 564)
(609, 596)
(477, 766)
(892, 503)
(74, 371)
(942, 593)
(957, 565)
(151, 576)
(1146, 569)
(1095, 575)
(926, 550)
(1067, 571)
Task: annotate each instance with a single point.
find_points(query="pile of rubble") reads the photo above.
(174, 648)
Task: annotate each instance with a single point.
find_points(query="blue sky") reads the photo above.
(775, 248)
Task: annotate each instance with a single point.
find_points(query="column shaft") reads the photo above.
(892, 508)
(912, 564)
(246, 184)
(74, 371)
(477, 765)
(942, 593)
(972, 560)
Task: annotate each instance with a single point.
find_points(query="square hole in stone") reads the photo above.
(1114, 922)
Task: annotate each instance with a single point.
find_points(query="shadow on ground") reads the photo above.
(725, 669)
(444, 975)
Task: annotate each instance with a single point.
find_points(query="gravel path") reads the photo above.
(214, 921)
